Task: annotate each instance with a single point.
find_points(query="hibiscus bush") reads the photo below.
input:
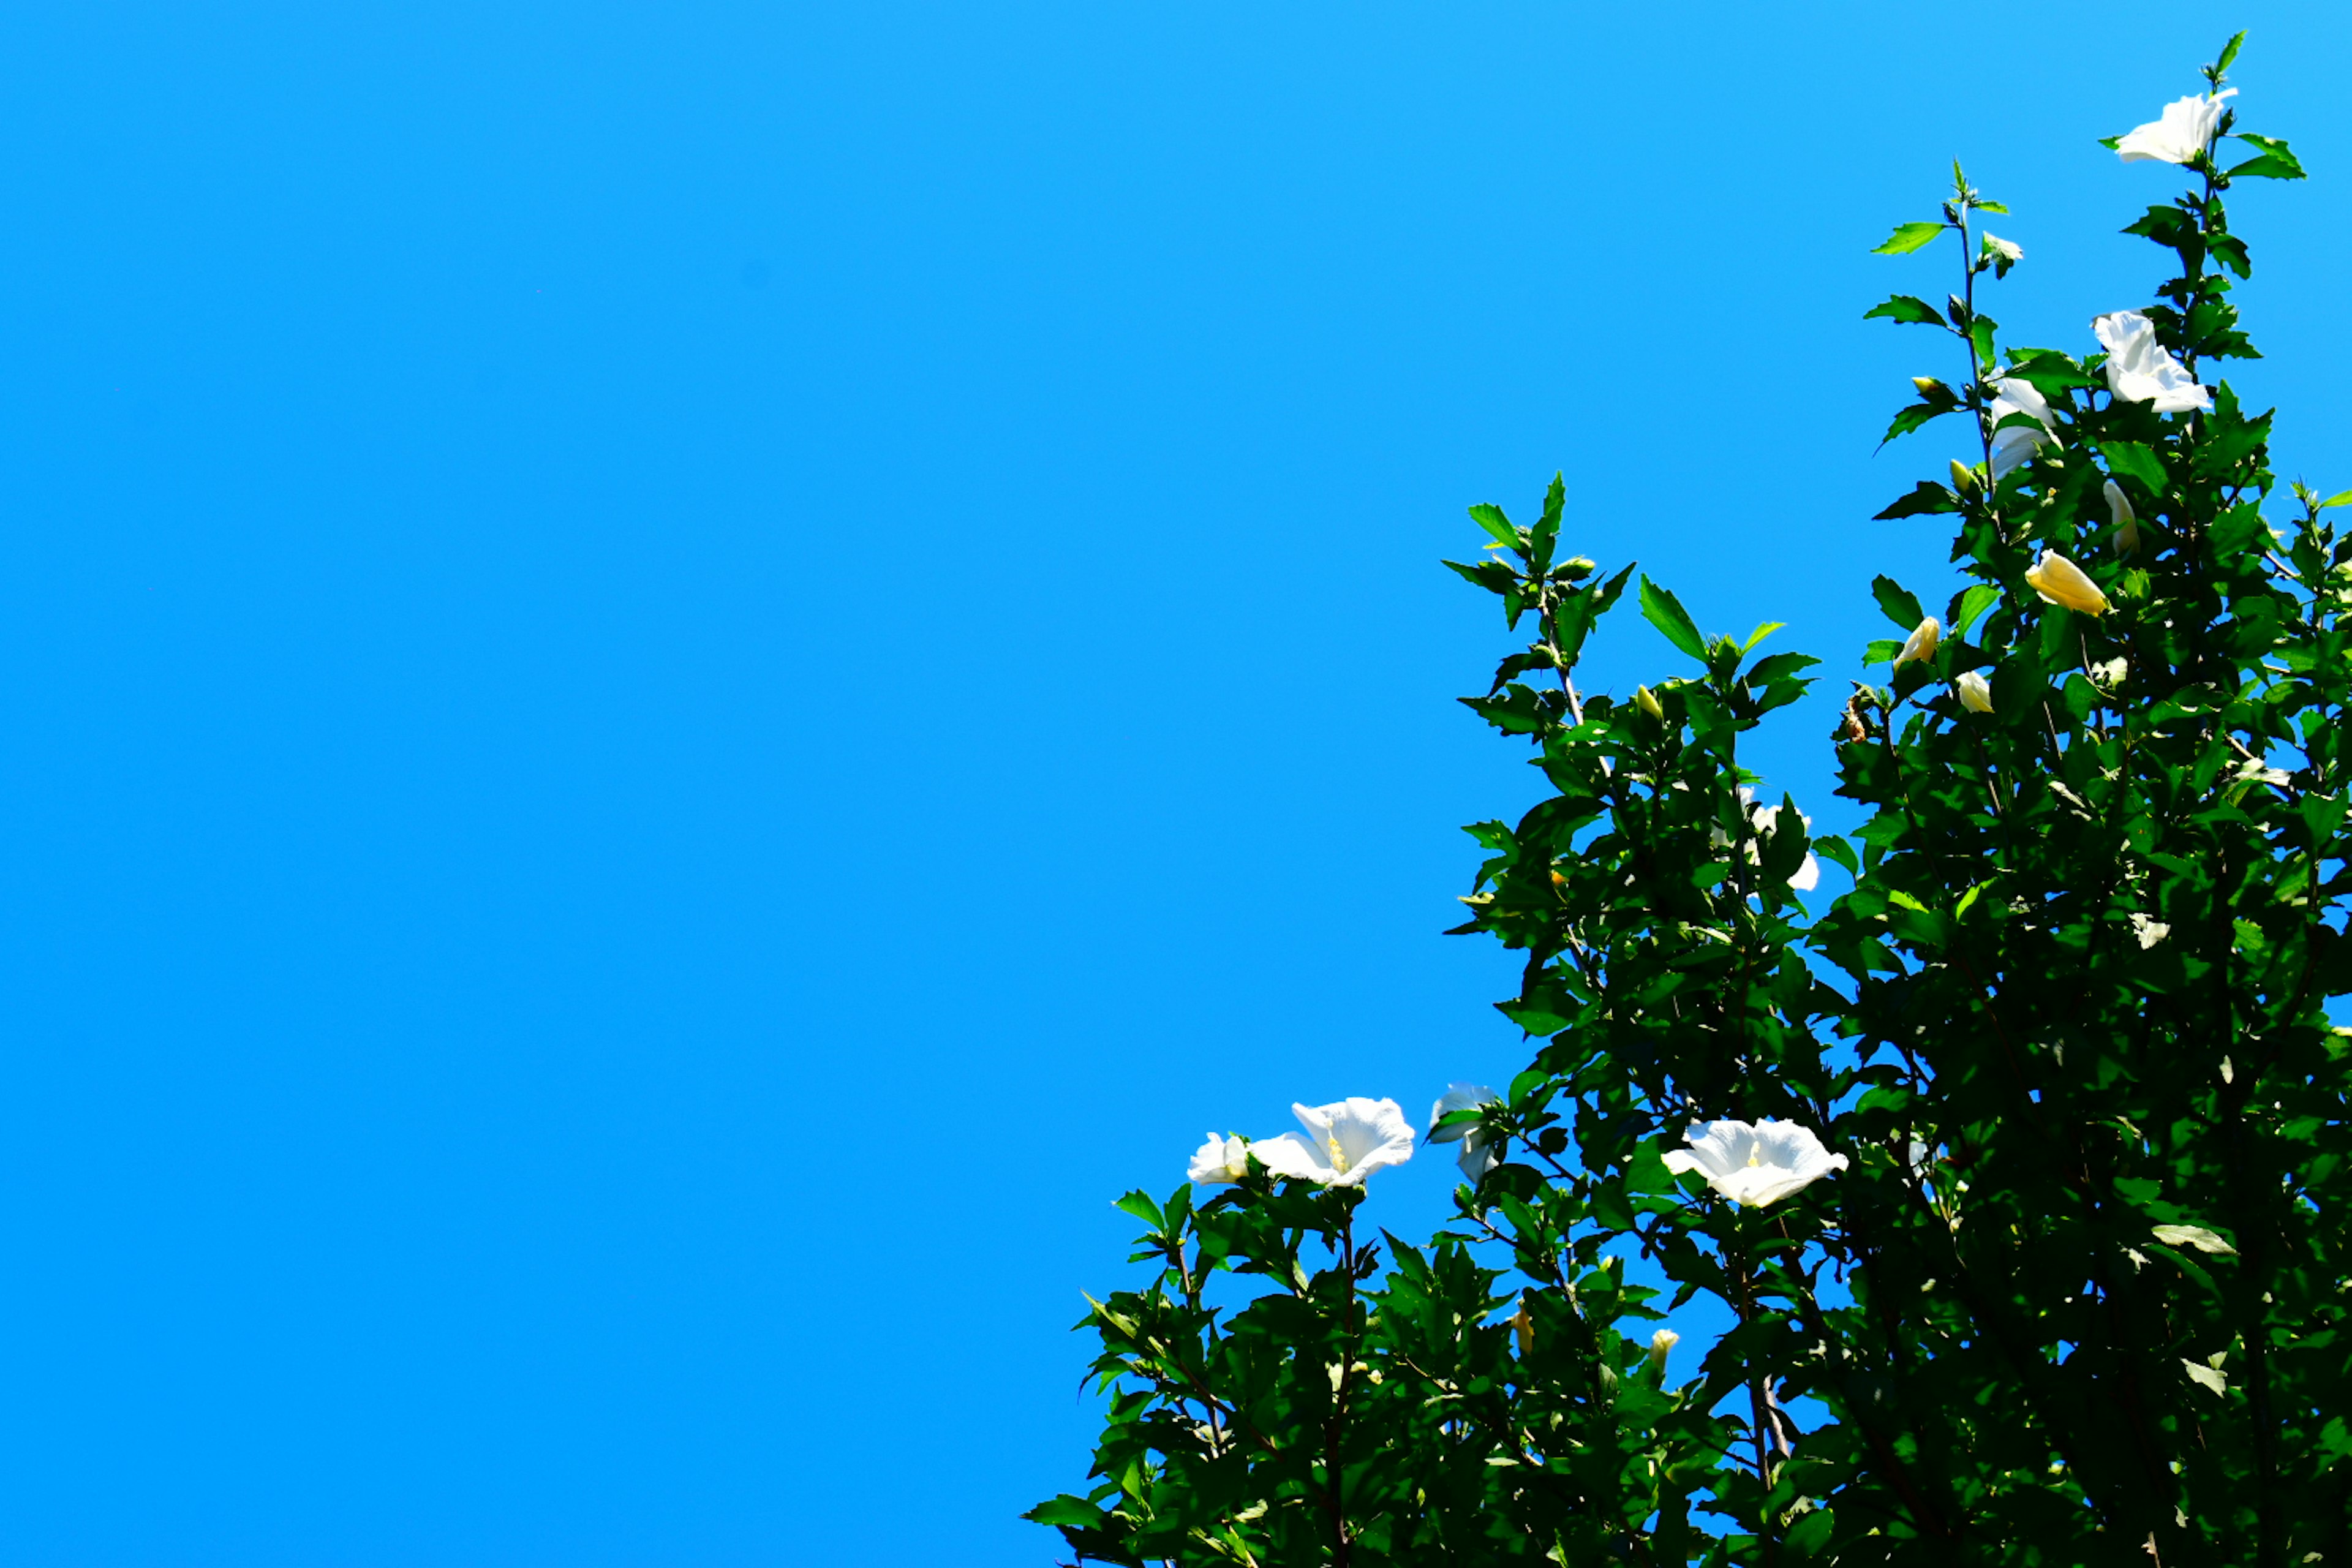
(2018, 1167)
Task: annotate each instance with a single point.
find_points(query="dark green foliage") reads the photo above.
(2080, 1295)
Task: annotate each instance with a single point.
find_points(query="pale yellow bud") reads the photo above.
(1661, 1342)
(1647, 701)
(2119, 510)
(1523, 1328)
(1975, 692)
(1964, 478)
(1928, 385)
(2062, 582)
(1921, 643)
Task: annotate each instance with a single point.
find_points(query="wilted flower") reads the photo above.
(2008, 250)
(2140, 370)
(1975, 692)
(1921, 643)
(1664, 1340)
(2016, 444)
(2186, 129)
(1345, 1142)
(1478, 1155)
(1221, 1160)
(2062, 582)
(2119, 510)
(1755, 1163)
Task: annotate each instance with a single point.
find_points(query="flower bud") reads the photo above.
(2119, 510)
(1921, 643)
(1647, 701)
(1964, 478)
(1523, 1328)
(1664, 1340)
(2061, 582)
(1929, 387)
(1975, 692)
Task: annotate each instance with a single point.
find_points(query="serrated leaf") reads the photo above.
(1906, 309)
(2131, 460)
(2050, 370)
(2230, 52)
(1496, 525)
(2279, 165)
(1665, 612)
(1900, 605)
(1924, 499)
(1911, 418)
(1975, 601)
(1906, 239)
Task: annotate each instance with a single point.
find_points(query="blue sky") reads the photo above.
(676, 681)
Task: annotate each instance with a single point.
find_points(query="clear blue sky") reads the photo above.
(676, 681)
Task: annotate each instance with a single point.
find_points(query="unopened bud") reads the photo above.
(1964, 478)
(1661, 1342)
(2061, 582)
(1921, 644)
(1929, 386)
(1647, 701)
(2119, 513)
(1975, 692)
(1523, 1328)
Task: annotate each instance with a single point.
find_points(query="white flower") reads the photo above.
(1661, 1342)
(1478, 1156)
(2014, 445)
(2007, 249)
(1221, 1160)
(1921, 644)
(1757, 1163)
(2120, 512)
(2186, 129)
(1975, 692)
(2139, 370)
(1345, 1142)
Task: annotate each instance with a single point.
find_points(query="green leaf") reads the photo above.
(2130, 460)
(1902, 606)
(1980, 334)
(2277, 162)
(1492, 520)
(1905, 309)
(1532, 1016)
(1829, 847)
(1760, 633)
(2229, 53)
(2338, 499)
(1925, 498)
(1138, 1204)
(1911, 418)
(2049, 370)
(1665, 612)
(1975, 601)
(1906, 239)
